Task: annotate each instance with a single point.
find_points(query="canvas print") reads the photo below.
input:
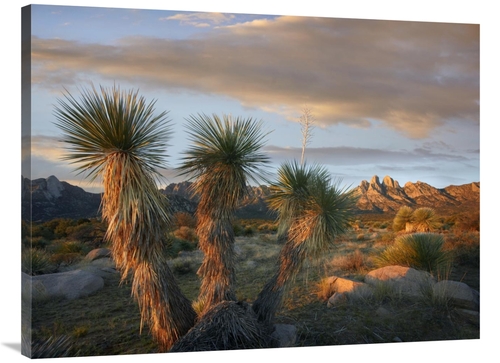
(198, 181)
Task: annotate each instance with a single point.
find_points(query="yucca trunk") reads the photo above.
(224, 155)
(217, 271)
(270, 299)
(137, 220)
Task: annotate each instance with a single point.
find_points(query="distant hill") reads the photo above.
(50, 198)
(388, 196)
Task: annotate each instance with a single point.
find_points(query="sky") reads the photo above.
(388, 97)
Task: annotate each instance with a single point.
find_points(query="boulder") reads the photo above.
(337, 298)
(98, 253)
(285, 335)
(406, 280)
(339, 284)
(69, 285)
(458, 294)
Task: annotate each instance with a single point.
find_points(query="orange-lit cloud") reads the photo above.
(412, 77)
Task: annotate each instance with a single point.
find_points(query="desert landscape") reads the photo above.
(107, 321)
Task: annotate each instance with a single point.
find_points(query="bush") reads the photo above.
(424, 220)
(65, 259)
(186, 233)
(183, 266)
(464, 246)
(183, 219)
(176, 245)
(386, 238)
(248, 231)
(467, 222)
(238, 229)
(423, 251)
(36, 262)
(353, 262)
(69, 247)
(402, 218)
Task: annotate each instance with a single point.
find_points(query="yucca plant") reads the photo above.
(403, 219)
(225, 154)
(118, 136)
(425, 220)
(423, 251)
(312, 211)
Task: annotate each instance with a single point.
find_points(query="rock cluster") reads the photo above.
(405, 281)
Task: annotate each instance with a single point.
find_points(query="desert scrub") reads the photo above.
(464, 246)
(402, 219)
(186, 233)
(422, 251)
(36, 262)
(352, 262)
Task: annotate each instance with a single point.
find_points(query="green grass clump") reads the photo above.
(422, 251)
(36, 262)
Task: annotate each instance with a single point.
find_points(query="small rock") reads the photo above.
(98, 253)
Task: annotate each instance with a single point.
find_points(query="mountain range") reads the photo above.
(49, 198)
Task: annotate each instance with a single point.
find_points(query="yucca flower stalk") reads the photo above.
(225, 154)
(312, 212)
(116, 135)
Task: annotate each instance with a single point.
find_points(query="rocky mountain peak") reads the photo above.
(390, 183)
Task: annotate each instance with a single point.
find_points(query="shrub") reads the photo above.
(53, 347)
(238, 229)
(386, 238)
(36, 262)
(248, 231)
(464, 246)
(424, 220)
(467, 222)
(186, 233)
(65, 259)
(176, 245)
(183, 266)
(423, 251)
(402, 218)
(183, 219)
(352, 262)
(63, 247)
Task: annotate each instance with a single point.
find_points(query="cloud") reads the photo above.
(350, 156)
(199, 19)
(412, 77)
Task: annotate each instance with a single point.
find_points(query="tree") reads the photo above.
(312, 211)
(117, 136)
(224, 155)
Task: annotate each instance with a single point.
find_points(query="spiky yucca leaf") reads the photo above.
(105, 121)
(225, 154)
(117, 135)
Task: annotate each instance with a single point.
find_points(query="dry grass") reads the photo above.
(111, 319)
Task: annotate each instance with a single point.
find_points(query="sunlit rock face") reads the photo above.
(389, 196)
(46, 199)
